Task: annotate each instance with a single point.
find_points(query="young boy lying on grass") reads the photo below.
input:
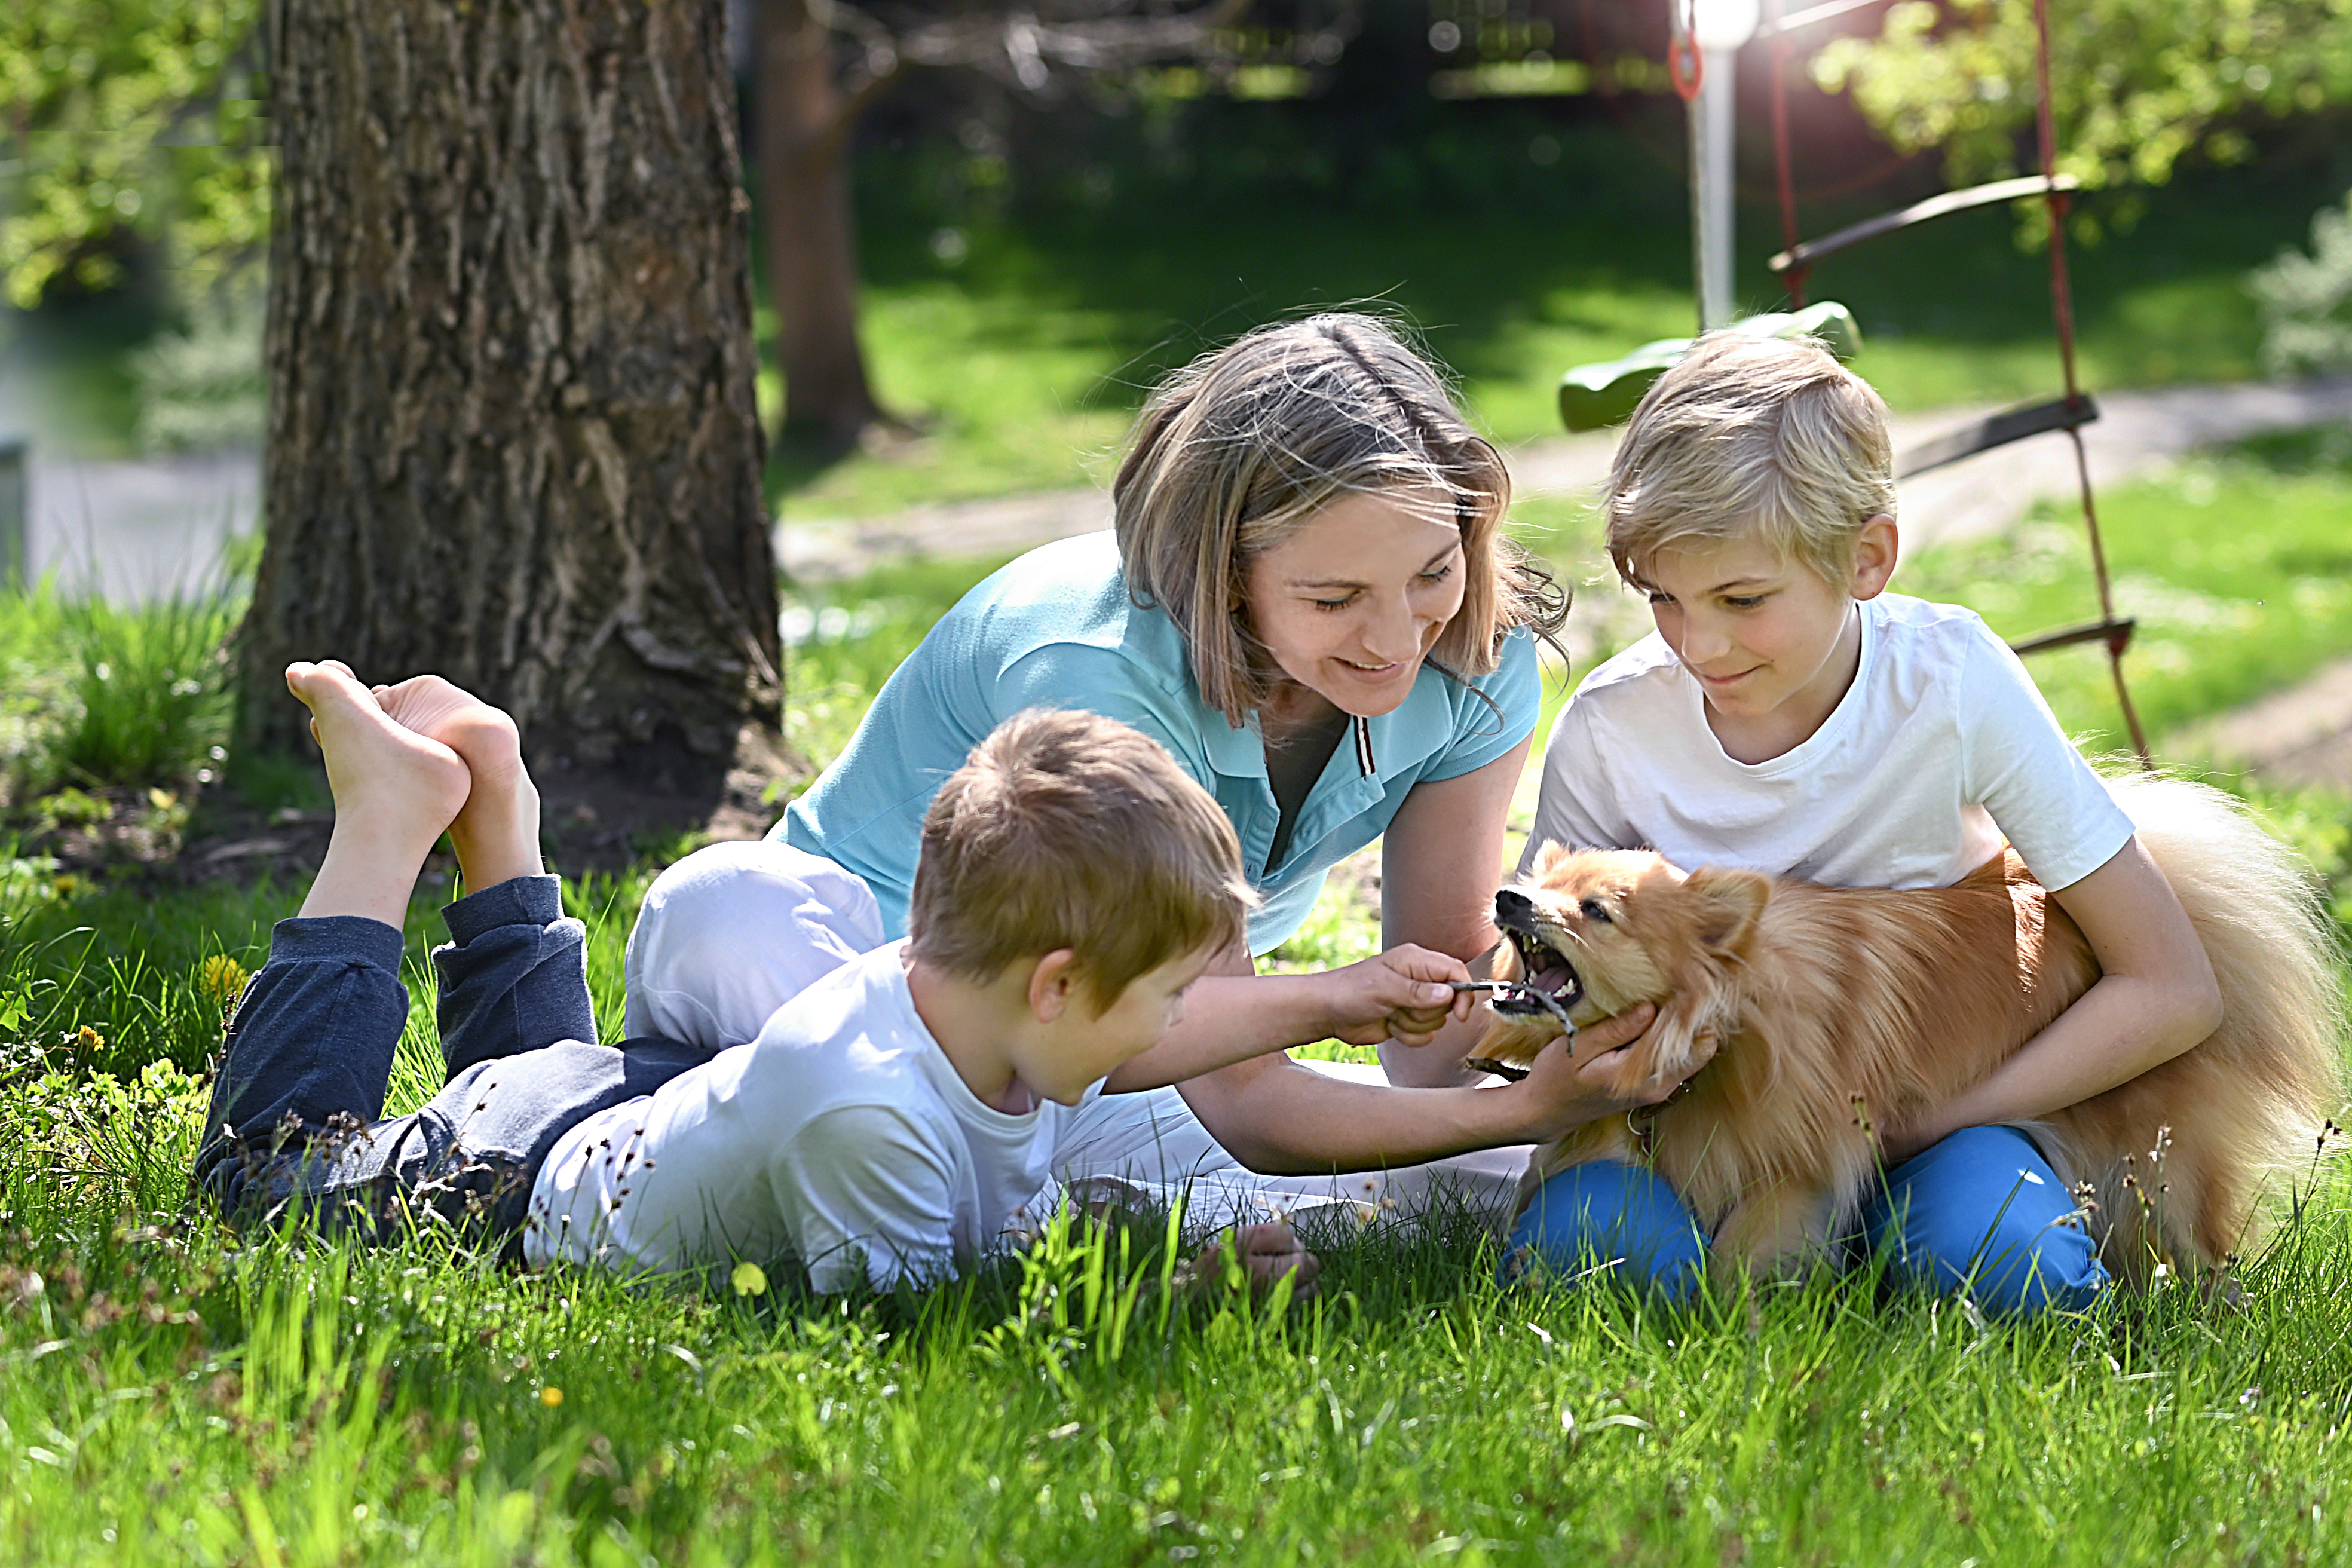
(890, 1124)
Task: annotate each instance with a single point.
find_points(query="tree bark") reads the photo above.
(513, 436)
(804, 131)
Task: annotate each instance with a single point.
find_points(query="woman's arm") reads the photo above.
(1441, 862)
(2155, 996)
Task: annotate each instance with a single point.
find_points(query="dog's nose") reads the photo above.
(1511, 903)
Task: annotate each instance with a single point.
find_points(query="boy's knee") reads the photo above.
(734, 930)
(1613, 1221)
(1982, 1210)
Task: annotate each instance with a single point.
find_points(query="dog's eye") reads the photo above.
(1593, 909)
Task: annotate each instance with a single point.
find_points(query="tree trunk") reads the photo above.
(513, 436)
(803, 130)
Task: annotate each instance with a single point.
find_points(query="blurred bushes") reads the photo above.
(2306, 300)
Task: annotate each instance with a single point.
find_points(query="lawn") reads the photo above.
(173, 1394)
(1024, 357)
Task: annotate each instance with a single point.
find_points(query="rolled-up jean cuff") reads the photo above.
(520, 900)
(336, 939)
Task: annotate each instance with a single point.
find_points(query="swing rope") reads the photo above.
(2062, 307)
(2114, 634)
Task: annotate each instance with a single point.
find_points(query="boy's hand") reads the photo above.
(1604, 1072)
(1402, 995)
(1261, 1254)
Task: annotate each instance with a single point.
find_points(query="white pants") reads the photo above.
(735, 930)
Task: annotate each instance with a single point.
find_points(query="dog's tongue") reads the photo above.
(1555, 980)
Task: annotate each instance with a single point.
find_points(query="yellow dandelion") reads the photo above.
(749, 1279)
(550, 1397)
(222, 977)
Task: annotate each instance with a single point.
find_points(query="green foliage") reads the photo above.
(2306, 300)
(2136, 85)
(132, 117)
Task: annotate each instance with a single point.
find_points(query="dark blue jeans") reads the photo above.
(297, 1111)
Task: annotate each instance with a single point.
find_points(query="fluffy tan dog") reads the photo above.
(1836, 1007)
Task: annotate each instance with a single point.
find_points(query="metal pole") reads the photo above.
(1712, 112)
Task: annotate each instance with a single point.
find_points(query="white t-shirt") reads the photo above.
(1941, 747)
(842, 1130)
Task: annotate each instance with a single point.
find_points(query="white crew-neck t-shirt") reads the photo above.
(1940, 748)
(842, 1131)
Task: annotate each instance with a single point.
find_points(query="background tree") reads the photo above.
(512, 435)
(821, 64)
(2136, 85)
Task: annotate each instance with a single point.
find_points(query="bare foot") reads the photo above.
(496, 834)
(395, 792)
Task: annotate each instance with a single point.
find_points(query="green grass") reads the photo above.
(98, 694)
(1026, 358)
(2238, 566)
(175, 1397)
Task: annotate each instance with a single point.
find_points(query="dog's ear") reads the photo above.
(1552, 853)
(1730, 903)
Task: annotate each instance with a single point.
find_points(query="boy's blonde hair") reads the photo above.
(1068, 829)
(1762, 437)
(1246, 444)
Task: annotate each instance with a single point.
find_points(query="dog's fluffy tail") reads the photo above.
(2256, 906)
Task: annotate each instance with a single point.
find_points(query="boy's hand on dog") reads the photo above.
(1601, 1072)
(1403, 995)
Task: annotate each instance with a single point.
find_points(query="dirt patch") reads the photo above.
(604, 820)
(2296, 738)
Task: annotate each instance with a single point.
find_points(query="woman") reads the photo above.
(1308, 600)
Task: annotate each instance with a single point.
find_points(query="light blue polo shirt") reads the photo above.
(1056, 629)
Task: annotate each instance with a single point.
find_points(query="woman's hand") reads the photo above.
(1603, 1072)
(1400, 996)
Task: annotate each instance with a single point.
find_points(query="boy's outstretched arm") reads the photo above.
(2154, 998)
(395, 792)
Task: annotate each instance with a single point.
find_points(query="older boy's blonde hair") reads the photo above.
(1246, 444)
(1068, 829)
(1752, 436)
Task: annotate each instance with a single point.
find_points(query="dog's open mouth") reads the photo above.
(1548, 983)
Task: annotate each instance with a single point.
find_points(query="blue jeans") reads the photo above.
(297, 1111)
(1982, 1207)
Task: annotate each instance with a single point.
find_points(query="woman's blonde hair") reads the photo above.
(1243, 445)
(1014, 863)
(1752, 436)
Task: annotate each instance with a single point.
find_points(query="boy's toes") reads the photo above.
(328, 682)
(454, 715)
